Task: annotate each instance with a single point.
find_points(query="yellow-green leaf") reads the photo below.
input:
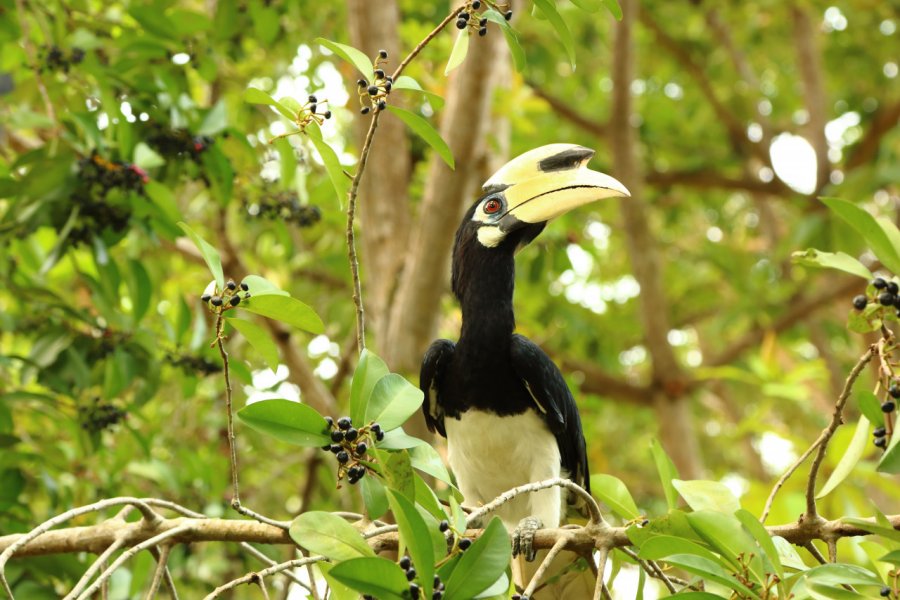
(423, 129)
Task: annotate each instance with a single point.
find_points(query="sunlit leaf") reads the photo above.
(288, 421)
(339, 181)
(285, 309)
(871, 230)
(350, 54)
(851, 456)
(374, 576)
(832, 260)
(329, 535)
(405, 82)
(512, 39)
(707, 495)
(393, 401)
(548, 9)
(259, 338)
(423, 129)
(614, 493)
(369, 370)
(481, 564)
(210, 255)
(414, 534)
(459, 51)
(667, 472)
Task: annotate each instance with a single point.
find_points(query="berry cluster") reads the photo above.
(375, 93)
(100, 415)
(192, 364)
(178, 143)
(228, 298)
(306, 114)
(285, 206)
(469, 17)
(97, 179)
(54, 58)
(351, 446)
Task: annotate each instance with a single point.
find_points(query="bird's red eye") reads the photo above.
(492, 206)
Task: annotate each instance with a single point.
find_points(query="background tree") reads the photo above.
(677, 315)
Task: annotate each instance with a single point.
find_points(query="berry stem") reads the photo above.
(220, 342)
(421, 45)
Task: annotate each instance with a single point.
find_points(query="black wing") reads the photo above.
(431, 376)
(555, 402)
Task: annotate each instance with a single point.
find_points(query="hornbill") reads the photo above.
(501, 402)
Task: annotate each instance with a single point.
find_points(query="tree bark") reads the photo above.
(809, 63)
(384, 214)
(424, 278)
(673, 407)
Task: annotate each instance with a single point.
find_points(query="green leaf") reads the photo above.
(426, 459)
(215, 120)
(615, 494)
(661, 546)
(350, 54)
(698, 596)
(336, 589)
(787, 554)
(548, 9)
(725, 535)
(832, 260)
(870, 406)
(259, 338)
(397, 439)
(707, 495)
(140, 290)
(339, 181)
(709, 570)
(288, 421)
(480, 565)
(890, 460)
(512, 40)
(397, 471)
(393, 401)
(374, 496)
(414, 534)
(163, 198)
(848, 461)
(614, 9)
(428, 501)
(877, 528)
(891, 557)
(667, 472)
(147, 158)
(590, 6)
(285, 309)
(423, 129)
(459, 51)
(374, 576)
(259, 286)
(871, 230)
(257, 96)
(405, 82)
(762, 537)
(329, 535)
(841, 574)
(368, 371)
(210, 255)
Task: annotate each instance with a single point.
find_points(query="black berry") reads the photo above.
(327, 114)
(382, 53)
(405, 563)
(313, 107)
(483, 22)
(414, 590)
(216, 301)
(410, 574)
(344, 423)
(437, 595)
(476, 5)
(364, 110)
(351, 434)
(508, 15)
(437, 581)
(231, 285)
(337, 436)
(464, 543)
(342, 456)
(444, 526)
(879, 283)
(482, 32)
(326, 447)
(313, 99)
(880, 442)
(859, 302)
(244, 286)
(888, 406)
(464, 16)
(329, 421)
(879, 432)
(235, 300)
(894, 390)
(382, 105)
(379, 435)
(335, 448)
(886, 298)
(460, 23)
(205, 297)
(379, 73)
(885, 591)
(892, 287)
(373, 89)
(362, 83)
(361, 448)
(387, 86)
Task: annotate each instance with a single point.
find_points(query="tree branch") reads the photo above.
(564, 109)
(883, 121)
(809, 63)
(599, 382)
(709, 179)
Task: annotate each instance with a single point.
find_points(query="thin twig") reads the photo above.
(95, 568)
(815, 552)
(261, 582)
(264, 573)
(106, 574)
(600, 587)
(421, 45)
(545, 564)
(593, 507)
(167, 576)
(651, 568)
(825, 437)
(220, 342)
(268, 561)
(161, 567)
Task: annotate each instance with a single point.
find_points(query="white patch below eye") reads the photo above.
(490, 236)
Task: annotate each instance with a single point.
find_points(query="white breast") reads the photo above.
(490, 455)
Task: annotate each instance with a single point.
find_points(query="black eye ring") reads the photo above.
(492, 206)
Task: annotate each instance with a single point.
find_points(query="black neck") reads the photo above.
(484, 279)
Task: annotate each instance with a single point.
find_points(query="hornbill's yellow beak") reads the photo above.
(540, 185)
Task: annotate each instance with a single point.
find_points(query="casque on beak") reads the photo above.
(549, 181)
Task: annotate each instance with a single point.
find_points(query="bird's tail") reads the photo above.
(566, 578)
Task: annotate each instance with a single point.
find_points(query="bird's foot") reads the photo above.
(523, 538)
